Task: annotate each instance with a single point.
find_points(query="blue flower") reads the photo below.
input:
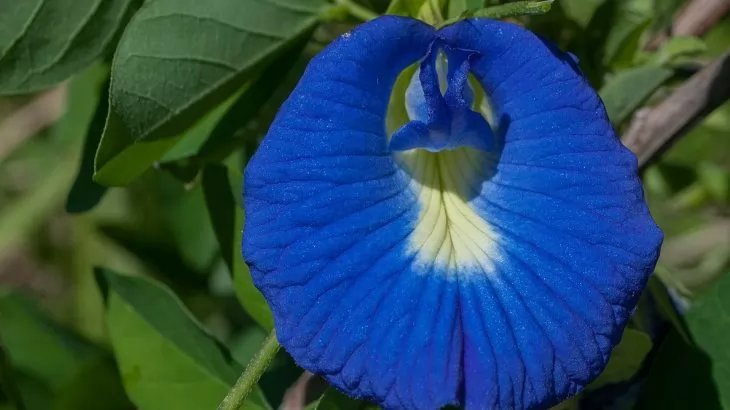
(487, 260)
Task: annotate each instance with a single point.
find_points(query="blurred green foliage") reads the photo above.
(165, 101)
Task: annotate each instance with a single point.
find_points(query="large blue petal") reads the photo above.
(576, 238)
(418, 279)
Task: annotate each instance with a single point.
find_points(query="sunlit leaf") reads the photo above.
(169, 42)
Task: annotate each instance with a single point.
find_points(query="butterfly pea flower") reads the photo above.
(486, 254)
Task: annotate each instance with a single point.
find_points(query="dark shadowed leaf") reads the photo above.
(38, 49)
(168, 43)
(85, 193)
(626, 358)
(96, 386)
(167, 360)
(629, 20)
(627, 90)
(688, 375)
(580, 11)
(55, 354)
(55, 368)
(334, 400)
(8, 381)
(227, 218)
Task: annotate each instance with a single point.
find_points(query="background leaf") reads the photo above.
(626, 358)
(625, 92)
(38, 50)
(57, 368)
(166, 359)
(695, 374)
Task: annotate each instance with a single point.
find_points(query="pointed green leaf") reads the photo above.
(177, 60)
(627, 90)
(39, 49)
(624, 39)
(167, 360)
(676, 47)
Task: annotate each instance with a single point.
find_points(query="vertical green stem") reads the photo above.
(255, 369)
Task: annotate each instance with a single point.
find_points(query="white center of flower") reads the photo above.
(450, 234)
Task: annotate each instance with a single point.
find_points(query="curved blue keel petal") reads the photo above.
(495, 269)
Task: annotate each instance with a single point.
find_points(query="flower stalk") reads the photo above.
(256, 368)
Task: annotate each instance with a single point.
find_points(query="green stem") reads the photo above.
(357, 10)
(255, 369)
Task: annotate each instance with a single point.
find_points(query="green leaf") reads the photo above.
(715, 180)
(43, 42)
(55, 368)
(627, 90)
(96, 386)
(222, 210)
(178, 59)
(227, 218)
(221, 142)
(457, 7)
(334, 400)
(405, 7)
(508, 10)
(581, 11)
(623, 42)
(36, 346)
(166, 359)
(85, 193)
(695, 375)
(626, 358)
(664, 305)
(225, 129)
(676, 47)
(8, 382)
